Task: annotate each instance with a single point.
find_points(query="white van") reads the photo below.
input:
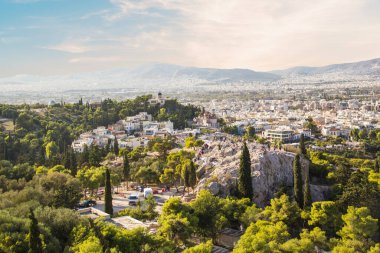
(133, 198)
(147, 192)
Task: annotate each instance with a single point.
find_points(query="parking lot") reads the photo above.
(120, 200)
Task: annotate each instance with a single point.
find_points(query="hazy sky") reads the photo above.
(68, 36)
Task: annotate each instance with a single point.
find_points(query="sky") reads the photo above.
(53, 37)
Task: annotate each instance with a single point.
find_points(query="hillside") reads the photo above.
(369, 67)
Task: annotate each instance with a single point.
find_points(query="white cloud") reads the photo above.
(75, 46)
(257, 34)
(262, 35)
(95, 60)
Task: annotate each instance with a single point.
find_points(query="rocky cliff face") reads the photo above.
(272, 171)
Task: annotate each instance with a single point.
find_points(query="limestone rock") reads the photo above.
(213, 187)
(271, 171)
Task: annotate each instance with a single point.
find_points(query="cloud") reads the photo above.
(261, 35)
(76, 46)
(254, 33)
(95, 60)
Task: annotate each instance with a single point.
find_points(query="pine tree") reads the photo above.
(302, 145)
(126, 168)
(108, 194)
(245, 179)
(116, 147)
(306, 193)
(297, 181)
(192, 175)
(35, 243)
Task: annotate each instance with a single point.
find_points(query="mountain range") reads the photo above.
(369, 67)
(155, 75)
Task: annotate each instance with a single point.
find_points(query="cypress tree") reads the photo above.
(66, 159)
(126, 168)
(95, 156)
(35, 243)
(108, 146)
(116, 147)
(302, 145)
(306, 193)
(73, 163)
(245, 179)
(85, 154)
(297, 181)
(192, 175)
(377, 166)
(185, 173)
(108, 194)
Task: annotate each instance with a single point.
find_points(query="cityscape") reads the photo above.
(161, 126)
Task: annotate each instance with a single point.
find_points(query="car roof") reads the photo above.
(135, 194)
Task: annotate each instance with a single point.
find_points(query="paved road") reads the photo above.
(120, 201)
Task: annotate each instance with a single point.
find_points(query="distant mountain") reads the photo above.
(148, 76)
(212, 75)
(166, 76)
(370, 67)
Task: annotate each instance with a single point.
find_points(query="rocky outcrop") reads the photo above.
(272, 171)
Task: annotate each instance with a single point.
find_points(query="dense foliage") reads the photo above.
(42, 180)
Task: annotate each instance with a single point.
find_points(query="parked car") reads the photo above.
(86, 203)
(148, 192)
(133, 198)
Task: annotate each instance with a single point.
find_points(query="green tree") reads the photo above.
(95, 156)
(326, 215)
(377, 166)
(35, 243)
(116, 146)
(360, 192)
(250, 215)
(189, 142)
(311, 125)
(168, 177)
(200, 248)
(73, 162)
(176, 228)
(177, 221)
(126, 168)
(282, 209)
(147, 175)
(354, 134)
(233, 209)
(185, 174)
(207, 209)
(250, 132)
(306, 192)
(309, 242)
(297, 181)
(263, 236)
(245, 179)
(51, 150)
(108, 194)
(61, 190)
(192, 175)
(302, 145)
(357, 232)
(363, 134)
